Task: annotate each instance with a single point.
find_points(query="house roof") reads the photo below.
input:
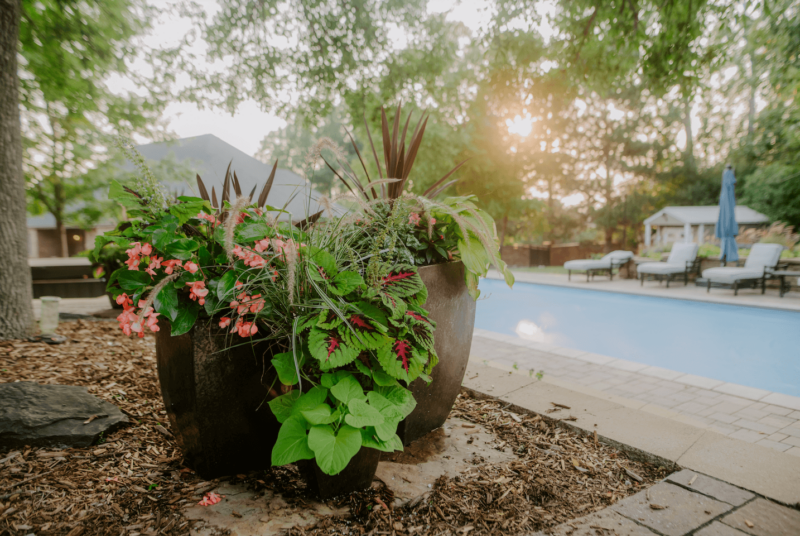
(209, 156)
(705, 215)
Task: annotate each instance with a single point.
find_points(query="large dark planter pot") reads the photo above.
(217, 400)
(358, 475)
(453, 310)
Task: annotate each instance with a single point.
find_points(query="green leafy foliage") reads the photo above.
(293, 442)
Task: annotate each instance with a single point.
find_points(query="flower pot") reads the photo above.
(453, 310)
(216, 399)
(357, 476)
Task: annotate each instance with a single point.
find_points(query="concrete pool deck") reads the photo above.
(752, 415)
(748, 297)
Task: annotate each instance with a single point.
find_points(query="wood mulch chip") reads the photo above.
(134, 482)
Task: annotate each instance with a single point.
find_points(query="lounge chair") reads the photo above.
(682, 261)
(761, 262)
(613, 260)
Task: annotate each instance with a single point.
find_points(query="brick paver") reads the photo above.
(711, 404)
(687, 503)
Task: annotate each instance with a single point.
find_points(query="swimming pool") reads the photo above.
(745, 345)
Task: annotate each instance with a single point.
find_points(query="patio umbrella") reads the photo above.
(727, 228)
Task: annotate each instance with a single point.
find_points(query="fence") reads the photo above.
(521, 256)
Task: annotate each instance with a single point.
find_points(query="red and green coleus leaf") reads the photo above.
(330, 349)
(363, 333)
(402, 359)
(395, 305)
(402, 282)
(328, 319)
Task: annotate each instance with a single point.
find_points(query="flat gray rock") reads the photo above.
(764, 518)
(53, 416)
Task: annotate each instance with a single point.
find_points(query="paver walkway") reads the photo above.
(688, 503)
(745, 413)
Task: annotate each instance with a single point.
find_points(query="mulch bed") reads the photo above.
(135, 483)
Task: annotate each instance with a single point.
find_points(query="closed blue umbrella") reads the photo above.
(727, 228)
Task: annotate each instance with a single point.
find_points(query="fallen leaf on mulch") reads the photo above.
(210, 499)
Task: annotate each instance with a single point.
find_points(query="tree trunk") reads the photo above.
(688, 154)
(62, 238)
(16, 312)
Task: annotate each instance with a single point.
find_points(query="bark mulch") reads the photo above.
(134, 481)
(558, 476)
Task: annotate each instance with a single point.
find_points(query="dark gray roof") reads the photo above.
(209, 156)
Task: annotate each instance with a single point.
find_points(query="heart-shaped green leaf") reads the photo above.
(322, 414)
(370, 439)
(334, 451)
(310, 400)
(400, 397)
(292, 443)
(362, 414)
(347, 389)
(285, 366)
(282, 406)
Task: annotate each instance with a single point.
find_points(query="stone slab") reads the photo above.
(446, 451)
(711, 486)
(718, 529)
(53, 416)
(767, 518)
(243, 513)
(752, 467)
(602, 522)
(682, 512)
(493, 381)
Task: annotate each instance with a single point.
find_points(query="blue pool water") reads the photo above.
(745, 345)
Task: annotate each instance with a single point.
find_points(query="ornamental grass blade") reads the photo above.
(366, 173)
(202, 188)
(226, 185)
(375, 154)
(393, 149)
(347, 185)
(214, 198)
(236, 187)
(440, 181)
(413, 148)
(250, 197)
(352, 174)
(387, 141)
(262, 199)
(311, 220)
(440, 189)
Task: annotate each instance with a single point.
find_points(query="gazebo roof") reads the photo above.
(672, 216)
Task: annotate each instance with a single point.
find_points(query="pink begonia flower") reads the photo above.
(197, 291)
(147, 249)
(257, 262)
(245, 329)
(210, 499)
(433, 221)
(208, 218)
(413, 218)
(256, 304)
(135, 251)
(241, 307)
(238, 284)
(150, 271)
(133, 263)
(262, 245)
(124, 299)
(191, 267)
(152, 322)
(225, 321)
(169, 266)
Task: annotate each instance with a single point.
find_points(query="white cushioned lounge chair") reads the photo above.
(613, 260)
(762, 260)
(682, 261)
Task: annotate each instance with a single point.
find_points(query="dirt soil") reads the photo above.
(134, 482)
